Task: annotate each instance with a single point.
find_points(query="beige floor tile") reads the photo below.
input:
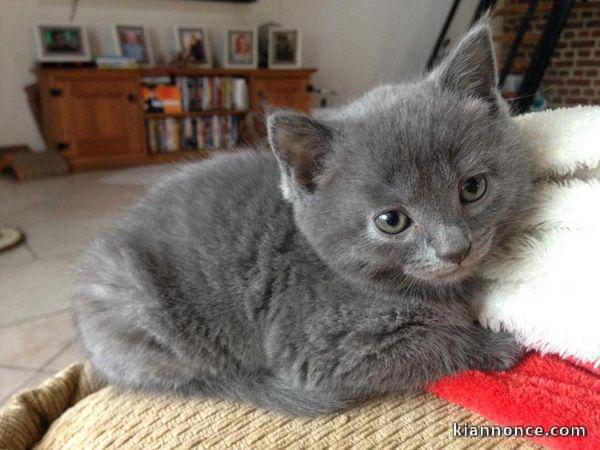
(58, 238)
(34, 343)
(59, 217)
(16, 255)
(60, 199)
(35, 288)
(73, 354)
(140, 176)
(11, 379)
(17, 196)
(92, 202)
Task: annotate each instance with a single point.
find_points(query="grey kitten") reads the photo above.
(338, 269)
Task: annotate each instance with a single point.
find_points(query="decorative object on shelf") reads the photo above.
(116, 62)
(323, 95)
(132, 41)
(285, 48)
(62, 43)
(263, 42)
(241, 48)
(193, 47)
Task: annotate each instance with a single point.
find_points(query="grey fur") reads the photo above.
(220, 284)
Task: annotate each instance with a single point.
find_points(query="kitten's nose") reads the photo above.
(455, 255)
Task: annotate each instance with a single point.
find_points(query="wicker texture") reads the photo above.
(81, 414)
(27, 415)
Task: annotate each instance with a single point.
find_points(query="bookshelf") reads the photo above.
(96, 117)
(215, 112)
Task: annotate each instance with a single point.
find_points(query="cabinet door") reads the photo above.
(287, 92)
(104, 118)
(55, 114)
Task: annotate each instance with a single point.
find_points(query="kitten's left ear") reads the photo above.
(471, 66)
(300, 143)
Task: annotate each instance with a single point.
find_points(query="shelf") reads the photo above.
(178, 155)
(214, 112)
(194, 71)
(110, 93)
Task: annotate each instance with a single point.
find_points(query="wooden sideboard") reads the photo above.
(95, 117)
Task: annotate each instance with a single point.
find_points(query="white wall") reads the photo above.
(355, 44)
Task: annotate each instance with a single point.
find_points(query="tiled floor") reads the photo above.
(59, 216)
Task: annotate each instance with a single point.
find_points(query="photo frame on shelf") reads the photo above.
(241, 48)
(62, 43)
(193, 46)
(133, 41)
(285, 48)
(263, 42)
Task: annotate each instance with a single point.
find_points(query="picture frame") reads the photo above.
(133, 41)
(59, 42)
(285, 48)
(193, 45)
(240, 48)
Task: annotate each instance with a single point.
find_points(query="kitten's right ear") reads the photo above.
(471, 68)
(300, 144)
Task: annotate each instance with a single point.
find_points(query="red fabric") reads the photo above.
(541, 390)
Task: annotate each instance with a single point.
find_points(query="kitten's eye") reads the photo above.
(392, 222)
(473, 189)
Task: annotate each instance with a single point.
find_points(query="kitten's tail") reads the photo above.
(273, 394)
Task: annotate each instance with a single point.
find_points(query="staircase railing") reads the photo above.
(542, 54)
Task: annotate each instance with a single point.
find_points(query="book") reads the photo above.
(188, 134)
(182, 84)
(172, 142)
(170, 97)
(151, 102)
(207, 93)
(239, 96)
(192, 133)
(162, 99)
(153, 139)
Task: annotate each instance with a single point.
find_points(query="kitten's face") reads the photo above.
(420, 193)
(412, 181)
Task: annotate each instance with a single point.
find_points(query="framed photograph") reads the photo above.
(192, 43)
(62, 43)
(132, 41)
(241, 48)
(285, 48)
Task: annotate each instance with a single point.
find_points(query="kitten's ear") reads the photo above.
(471, 66)
(300, 144)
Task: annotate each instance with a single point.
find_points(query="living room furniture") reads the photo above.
(95, 117)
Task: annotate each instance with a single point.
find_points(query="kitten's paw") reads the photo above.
(501, 352)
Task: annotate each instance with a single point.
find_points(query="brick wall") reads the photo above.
(573, 75)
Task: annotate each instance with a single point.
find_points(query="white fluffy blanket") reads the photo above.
(545, 285)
